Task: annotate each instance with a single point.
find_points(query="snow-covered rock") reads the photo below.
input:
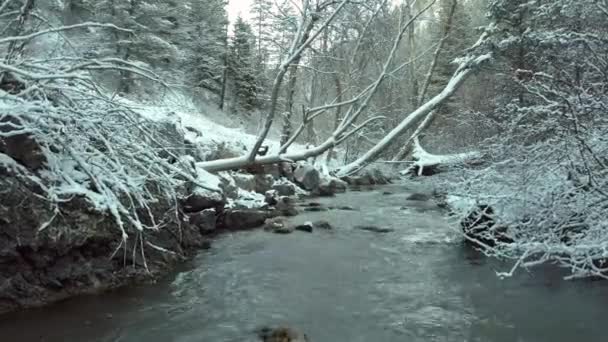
(307, 177)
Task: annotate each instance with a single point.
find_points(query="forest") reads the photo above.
(500, 104)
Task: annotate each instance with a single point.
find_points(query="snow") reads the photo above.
(207, 180)
(247, 199)
(211, 132)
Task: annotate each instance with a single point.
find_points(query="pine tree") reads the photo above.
(241, 64)
(208, 22)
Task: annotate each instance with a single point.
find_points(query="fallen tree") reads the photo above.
(358, 105)
(427, 164)
(466, 68)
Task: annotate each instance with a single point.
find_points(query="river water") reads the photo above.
(417, 283)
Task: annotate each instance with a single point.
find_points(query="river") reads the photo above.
(416, 283)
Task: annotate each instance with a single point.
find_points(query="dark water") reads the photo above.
(417, 283)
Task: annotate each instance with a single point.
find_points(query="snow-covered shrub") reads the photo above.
(94, 147)
(546, 170)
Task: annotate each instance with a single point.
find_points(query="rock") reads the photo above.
(284, 189)
(418, 197)
(307, 177)
(169, 133)
(367, 178)
(201, 199)
(23, 147)
(277, 226)
(243, 219)
(271, 197)
(330, 187)
(322, 225)
(480, 228)
(324, 189)
(305, 227)
(315, 209)
(263, 183)
(386, 193)
(286, 170)
(346, 208)
(205, 221)
(379, 177)
(281, 334)
(286, 206)
(228, 185)
(71, 256)
(273, 170)
(244, 181)
(375, 229)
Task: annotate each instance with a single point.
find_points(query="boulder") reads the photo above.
(324, 225)
(271, 197)
(315, 209)
(228, 185)
(244, 181)
(286, 170)
(324, 189)
(201, 199)
(273, 170)
(277, 226)
(263, 183)
(330, 187)
(375, 229)
(305, 227)
(307, 177)
(243, 219)
(286, 206)
(22, 147)
(367, 178)
(418, 197)
(281, 334)
(205, 221)
(169, 133)
(284, 189)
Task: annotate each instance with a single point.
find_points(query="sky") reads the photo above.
(236, 7)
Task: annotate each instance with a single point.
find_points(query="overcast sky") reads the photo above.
(236, 7)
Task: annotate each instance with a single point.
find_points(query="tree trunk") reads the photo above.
(463, 72)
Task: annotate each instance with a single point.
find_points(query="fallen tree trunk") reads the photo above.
(463, 72)
(427, 164)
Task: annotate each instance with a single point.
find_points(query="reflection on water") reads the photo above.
(417, 283)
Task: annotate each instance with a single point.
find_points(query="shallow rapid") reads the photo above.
(415, 283)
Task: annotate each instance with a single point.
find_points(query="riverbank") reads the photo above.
(416, 282)
(62, 238)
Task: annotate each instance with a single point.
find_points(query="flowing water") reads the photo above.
(417, 283)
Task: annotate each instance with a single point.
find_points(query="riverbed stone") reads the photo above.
(305, 227)
(201, 199)
(284, 189)
(418, 197)
(243, 219)
(205, 221)
(375, 229)
(323, 225)
(278, 226)
(281, 334)
(307, 177)
(263, 183)
(244, 181)
(286, 206)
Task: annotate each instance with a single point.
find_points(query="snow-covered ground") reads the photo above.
(206, 120)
